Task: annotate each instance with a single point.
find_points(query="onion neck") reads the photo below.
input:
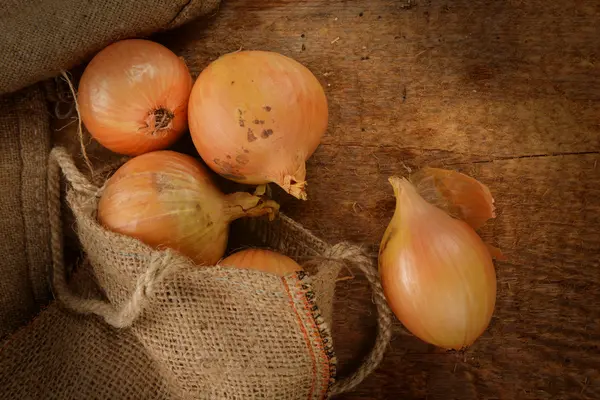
(295, 184)
(241, 204)
(407, 197)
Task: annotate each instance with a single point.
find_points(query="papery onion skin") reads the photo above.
(458, 194)
(436, 272)
(133, 97)
(262, 260)
(168, 200)
(256, 117)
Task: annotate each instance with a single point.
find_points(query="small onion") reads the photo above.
(167, 199)
(436, 272)
(262, 260)
(133, 97)
(256, 117)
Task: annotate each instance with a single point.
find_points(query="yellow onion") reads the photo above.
(255, 117)
(262, 260)
(167, 199)
(436, 272)
(133, 97)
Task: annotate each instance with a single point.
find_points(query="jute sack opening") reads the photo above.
(170, 329)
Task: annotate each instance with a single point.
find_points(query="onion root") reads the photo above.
(159, 121)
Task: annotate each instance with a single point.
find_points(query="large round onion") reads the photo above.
(133, 97)
(167, 199)
(256, 117)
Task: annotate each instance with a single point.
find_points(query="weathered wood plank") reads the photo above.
(505, 91)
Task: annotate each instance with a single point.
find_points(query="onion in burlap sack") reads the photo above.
(176, 330)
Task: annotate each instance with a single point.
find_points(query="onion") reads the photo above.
(133, 97)
(256, 117)
(436, 272)
(167, 199)
(262, 260)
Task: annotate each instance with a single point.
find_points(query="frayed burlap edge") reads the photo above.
(322, 326)
(61, 163)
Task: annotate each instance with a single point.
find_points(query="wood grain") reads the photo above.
(506, 91)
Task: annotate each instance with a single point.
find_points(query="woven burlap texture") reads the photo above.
(175, 330)
(41, 38)
(25, 242)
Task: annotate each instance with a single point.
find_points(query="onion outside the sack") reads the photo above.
(168, 200)
(262, 260)
(256, 117)
(436, 272)
(133, 97)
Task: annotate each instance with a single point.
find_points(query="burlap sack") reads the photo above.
(25, 242)
(175, 330)
(42, 37)
(39, 39)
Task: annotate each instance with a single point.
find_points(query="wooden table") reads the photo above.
(506, 91)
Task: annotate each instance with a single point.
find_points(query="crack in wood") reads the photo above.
(499, 158)
(525, 156)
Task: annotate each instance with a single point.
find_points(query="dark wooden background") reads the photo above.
(506, 91)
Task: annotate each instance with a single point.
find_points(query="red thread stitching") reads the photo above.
(306, 339)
